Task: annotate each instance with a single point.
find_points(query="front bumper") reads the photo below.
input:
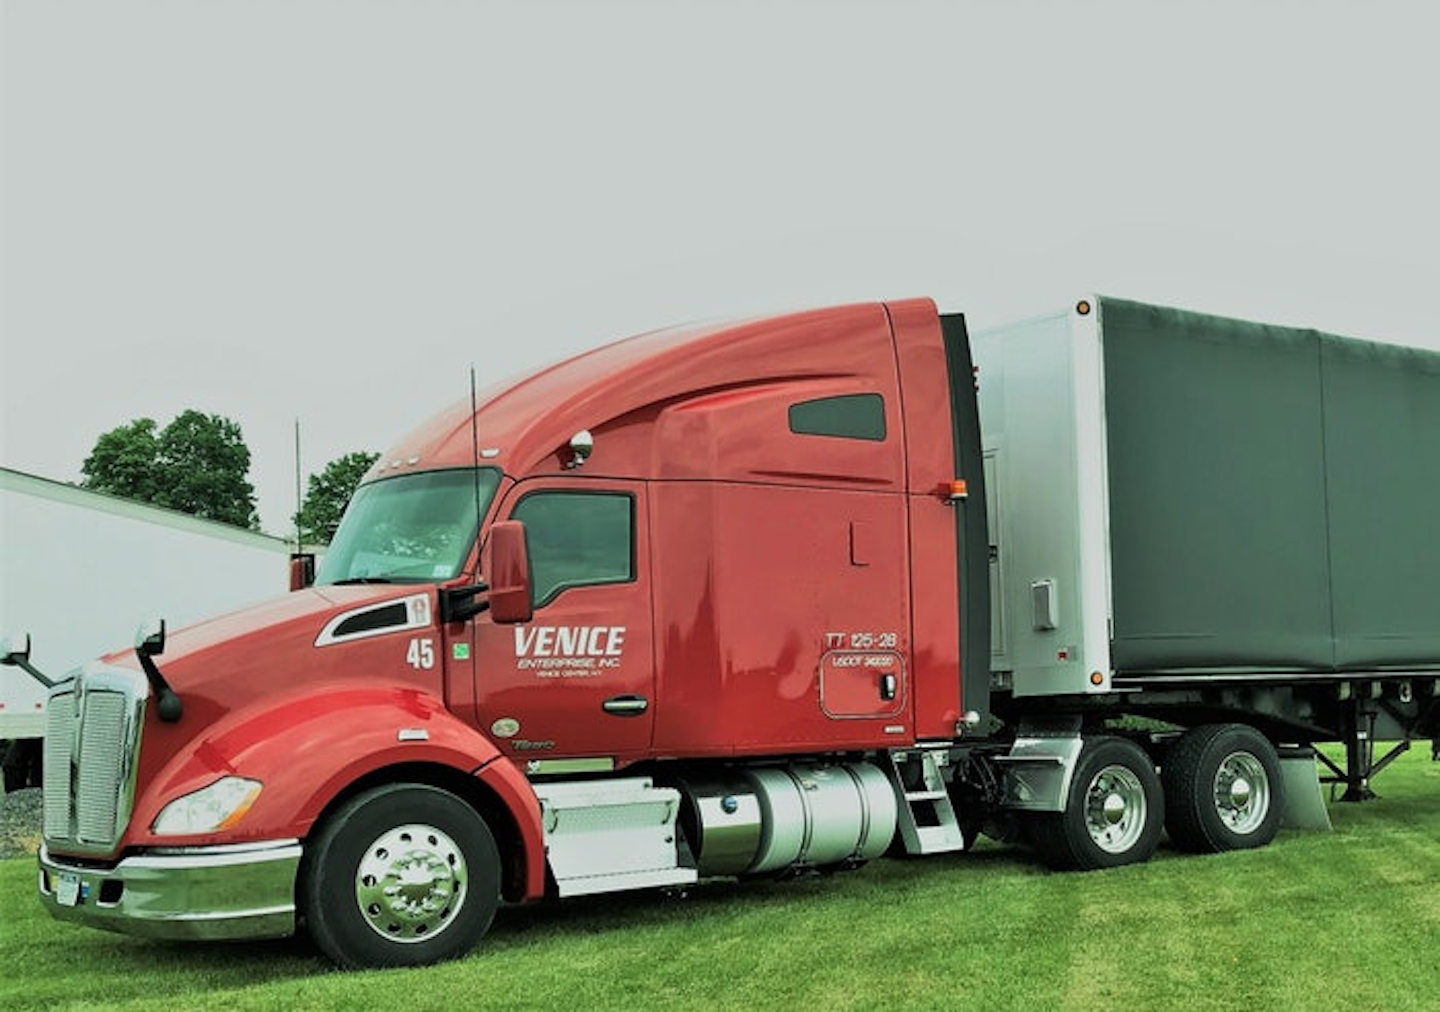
(198, 893)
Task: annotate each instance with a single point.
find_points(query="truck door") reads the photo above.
(577, 681)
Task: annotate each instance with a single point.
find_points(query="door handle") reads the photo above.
(625, 706)
(888, 685)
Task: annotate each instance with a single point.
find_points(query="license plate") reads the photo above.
(67, 890)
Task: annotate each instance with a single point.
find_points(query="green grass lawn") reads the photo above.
(1343, 920)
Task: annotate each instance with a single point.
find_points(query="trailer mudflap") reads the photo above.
(1304, 800)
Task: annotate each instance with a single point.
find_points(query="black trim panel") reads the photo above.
(970, 522)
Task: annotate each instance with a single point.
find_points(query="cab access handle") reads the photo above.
(626, 706)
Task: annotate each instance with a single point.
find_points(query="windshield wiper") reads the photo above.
(361, 579)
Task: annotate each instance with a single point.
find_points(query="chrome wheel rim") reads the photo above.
(1242, 793)
(410, 883)
(1115, 809)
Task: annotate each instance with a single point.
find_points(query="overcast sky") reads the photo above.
(327, 210)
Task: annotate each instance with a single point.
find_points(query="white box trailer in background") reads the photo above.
(80, 571)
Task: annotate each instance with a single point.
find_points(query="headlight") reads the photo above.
(218, 806)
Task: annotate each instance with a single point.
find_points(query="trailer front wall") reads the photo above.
(82, 570)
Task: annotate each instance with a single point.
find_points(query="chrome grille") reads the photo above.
(59, 719)
(92, 737)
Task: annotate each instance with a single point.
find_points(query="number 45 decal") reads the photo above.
(421, 654)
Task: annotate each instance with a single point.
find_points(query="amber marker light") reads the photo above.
(1097, 678)
(1083, 307)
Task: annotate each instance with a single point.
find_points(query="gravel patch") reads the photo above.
(20, 820)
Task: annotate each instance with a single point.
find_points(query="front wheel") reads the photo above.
(1113, 813)
(1224, 788)
(400, 875)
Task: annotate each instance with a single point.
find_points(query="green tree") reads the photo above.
(205, 461)
(123, 462)
(197, 464)
(328, 493)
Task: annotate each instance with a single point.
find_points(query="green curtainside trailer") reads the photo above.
(1195, 514)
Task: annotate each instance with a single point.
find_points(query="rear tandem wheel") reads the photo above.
(1113, 813)
(1223, 788)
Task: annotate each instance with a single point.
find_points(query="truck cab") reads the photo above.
(630, 620)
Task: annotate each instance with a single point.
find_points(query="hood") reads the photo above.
(279, 645)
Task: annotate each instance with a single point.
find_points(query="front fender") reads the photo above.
(309, 748)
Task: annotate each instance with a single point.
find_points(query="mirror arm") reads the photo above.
(168, 705)
(30, 669)
(459, 604)
(150, 643)
(16, 653)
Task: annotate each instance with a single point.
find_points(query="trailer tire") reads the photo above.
(1223, 789)
(22, 764)
(400, 875)
(1114, 810)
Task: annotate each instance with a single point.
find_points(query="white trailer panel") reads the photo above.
(1042, 427)
(80, 571)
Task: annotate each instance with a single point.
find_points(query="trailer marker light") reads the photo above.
(1083, 307)
(957, 490)
(1097, 678)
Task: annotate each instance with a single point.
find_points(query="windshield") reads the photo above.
(416, 528)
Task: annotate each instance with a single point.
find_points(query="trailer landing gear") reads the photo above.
(1361, 765)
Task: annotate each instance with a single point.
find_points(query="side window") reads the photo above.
(851, 416)
(577, 539)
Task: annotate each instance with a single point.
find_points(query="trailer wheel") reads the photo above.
(401, 875)
(1113, 814)
(1223, 789)
(22, 764)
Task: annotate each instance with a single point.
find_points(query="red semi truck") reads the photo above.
(775, 595)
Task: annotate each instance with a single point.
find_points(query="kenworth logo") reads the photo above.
(563, 648)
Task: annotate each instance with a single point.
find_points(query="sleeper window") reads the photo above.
(850, 416)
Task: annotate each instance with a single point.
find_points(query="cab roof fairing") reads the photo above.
(529, 419)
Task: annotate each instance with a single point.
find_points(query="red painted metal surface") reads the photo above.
(793, 593)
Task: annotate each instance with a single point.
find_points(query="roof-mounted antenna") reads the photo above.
(299, 496)
(460, 604)
(475, 470)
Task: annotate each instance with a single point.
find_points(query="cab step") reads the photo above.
(927, 820)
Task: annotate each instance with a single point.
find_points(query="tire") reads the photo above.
(1114, 810)
(21, 763)
(400, 875)
(1223, 789)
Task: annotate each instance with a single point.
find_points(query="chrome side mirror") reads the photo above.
(150, 638)
(15, 649)
(582, 444)
(15, 653)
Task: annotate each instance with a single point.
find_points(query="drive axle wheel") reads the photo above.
(1224, 789)
(1113, 813)
(401, 875)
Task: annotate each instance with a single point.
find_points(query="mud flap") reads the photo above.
(1304, 800)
